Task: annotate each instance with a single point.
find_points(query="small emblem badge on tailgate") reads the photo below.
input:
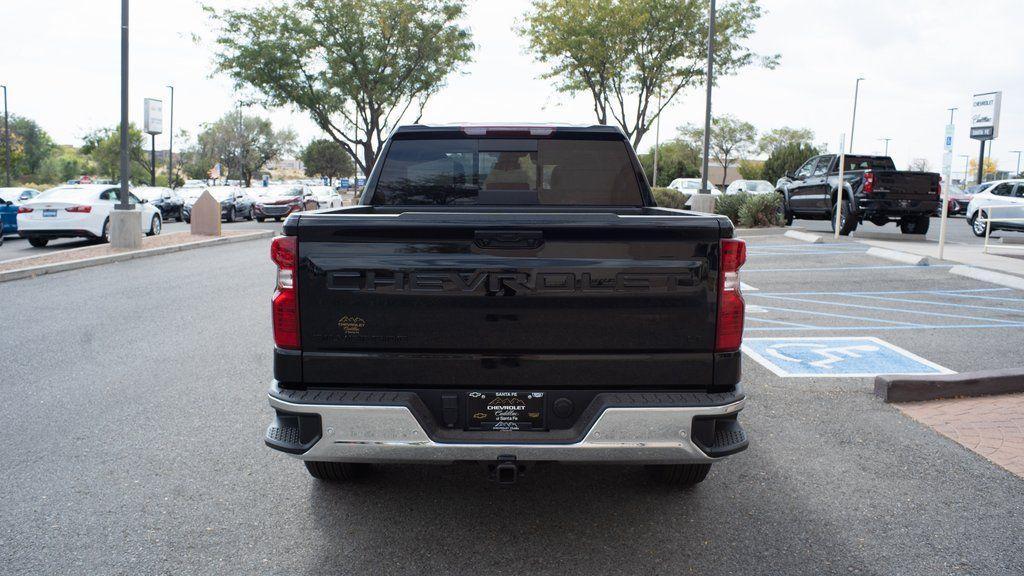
(351, 324)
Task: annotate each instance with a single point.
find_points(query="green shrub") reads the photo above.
(760, 210)
(669, 198)
(729, 205)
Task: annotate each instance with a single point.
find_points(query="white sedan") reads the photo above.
(692, 186)
(78, 211)
(750, 187)
(325, 196)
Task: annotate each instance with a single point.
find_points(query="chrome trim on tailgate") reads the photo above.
(651, 435)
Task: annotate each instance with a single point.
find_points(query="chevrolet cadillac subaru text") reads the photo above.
(507, 295)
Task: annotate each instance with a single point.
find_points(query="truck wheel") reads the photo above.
(847, 222)
(681, 475)
(38, 242)
(334, 471)
(785, 214)
(915, 225)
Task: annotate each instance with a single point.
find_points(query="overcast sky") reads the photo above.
(60, 59)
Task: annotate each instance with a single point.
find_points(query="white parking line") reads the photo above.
(887, 309)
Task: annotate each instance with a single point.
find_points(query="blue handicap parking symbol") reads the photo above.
(837, 357)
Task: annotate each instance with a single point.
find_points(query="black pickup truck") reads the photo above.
(873, 191)
(507, 295)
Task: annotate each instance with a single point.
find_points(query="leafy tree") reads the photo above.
(778, 137)
(676, 159)
(990, 168)
(326, 158)
(345, 62)
(244, 144)
(64, 163)
(30, 145)
(623, 53)
(731, 139)
(751, 169)
(786, 158)
(103, 147)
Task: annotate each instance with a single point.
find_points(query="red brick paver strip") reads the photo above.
(992, 426)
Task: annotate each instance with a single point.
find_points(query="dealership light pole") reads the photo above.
(886, 140)
(707, 106)
(7, 141)
(1017, 152)
(967, 166)
(853, 123)
(170, 145)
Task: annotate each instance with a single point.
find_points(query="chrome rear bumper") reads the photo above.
(643, 435)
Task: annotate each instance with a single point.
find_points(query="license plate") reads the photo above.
(49, 213)
(505, 410)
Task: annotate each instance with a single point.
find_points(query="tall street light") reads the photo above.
(707, 106)
(170, 145)
(123, 204)
(853, 124)
(1017, 152)
(886, 140)
(7, 139)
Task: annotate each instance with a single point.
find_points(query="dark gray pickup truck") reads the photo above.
(873, 191)
(507, 295)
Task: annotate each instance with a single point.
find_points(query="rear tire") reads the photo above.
(915, 225)
(335, 471)
(38, 242)
(260, 219)
(679, 475)
(847, 223)
(231, 215)
(786, 215)
(155, 225)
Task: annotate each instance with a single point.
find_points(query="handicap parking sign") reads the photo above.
(844, 357)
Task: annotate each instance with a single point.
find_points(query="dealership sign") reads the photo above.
(985, 115)
(153, 116)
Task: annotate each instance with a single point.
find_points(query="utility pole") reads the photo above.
(707, 106)
(886, 140)
(7, 140)
(1017, 152)
(170, 145)
(123, 203)
(853, 123)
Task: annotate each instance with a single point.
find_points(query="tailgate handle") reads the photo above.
(509, 239)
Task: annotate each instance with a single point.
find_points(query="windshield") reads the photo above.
(869, 163)
(10, 194)
(149, 193)
(513, 171)
(68, 194)
(760, 186)
(281, 192)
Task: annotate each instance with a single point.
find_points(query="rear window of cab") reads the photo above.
(492, 172)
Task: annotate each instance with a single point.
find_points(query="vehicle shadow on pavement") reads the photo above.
(559, 519)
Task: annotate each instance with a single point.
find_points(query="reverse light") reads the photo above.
(731, 308)
(23, 210)
(79, 209)
(869, 183)
(285, 304)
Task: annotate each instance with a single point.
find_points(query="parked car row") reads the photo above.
(78, 211)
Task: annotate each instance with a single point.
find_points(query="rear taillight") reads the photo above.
(869, 183)
(23, 210)
(729, 335)
(79, 209)
(285, 306)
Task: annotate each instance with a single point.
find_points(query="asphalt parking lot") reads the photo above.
(135, 393)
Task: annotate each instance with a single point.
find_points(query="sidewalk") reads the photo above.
(970, 255)
(992, 426)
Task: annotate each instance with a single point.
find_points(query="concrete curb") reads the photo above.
(896, 388)
(895, 256)
(989, 276)
(754, 232)
(889, 236)
(804, 236)
(76, 264)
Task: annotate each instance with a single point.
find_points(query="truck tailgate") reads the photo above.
(530, 295)
(900, 185)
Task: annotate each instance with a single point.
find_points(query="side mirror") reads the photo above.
(143, 201)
